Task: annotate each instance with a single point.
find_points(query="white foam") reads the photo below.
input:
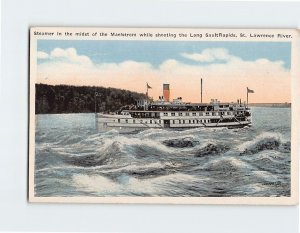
(266, 176)
(153, 186)
(126, 142)
(234, 162)
(95, 183)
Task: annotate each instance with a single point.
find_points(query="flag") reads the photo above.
(148, 86)
(249, 90)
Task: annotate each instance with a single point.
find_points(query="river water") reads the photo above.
(73, 159)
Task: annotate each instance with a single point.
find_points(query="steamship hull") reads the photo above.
(106, 122)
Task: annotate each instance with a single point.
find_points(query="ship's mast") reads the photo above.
(96, 94)
(147, 87)
(201, 90)
(249, 91)
(95, 100)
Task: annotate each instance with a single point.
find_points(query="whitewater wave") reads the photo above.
(228, 164)
(264, 141)
(119, 149)
(266, 176)
(150, 169)
(106, 155)
(172, 133)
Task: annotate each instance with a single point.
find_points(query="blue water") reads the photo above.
(73, 159)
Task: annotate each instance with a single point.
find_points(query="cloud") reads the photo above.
(225, 81)
(210, 55)
(42, 55)
(68, 55)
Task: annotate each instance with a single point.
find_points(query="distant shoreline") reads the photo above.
(271, 105)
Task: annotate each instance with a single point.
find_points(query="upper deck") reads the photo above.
(157, 107)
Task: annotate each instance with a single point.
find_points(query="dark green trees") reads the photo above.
(81, 99)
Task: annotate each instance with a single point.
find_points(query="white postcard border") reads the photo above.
(295, 82)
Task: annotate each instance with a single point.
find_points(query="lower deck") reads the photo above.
(121, 122)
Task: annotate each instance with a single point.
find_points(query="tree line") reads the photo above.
(81, 99)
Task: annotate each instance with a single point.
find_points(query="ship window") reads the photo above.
(173, 114)
(179, 121)
(158, 121)
(119, 120)
(173, 122)
(187, 114)
(193, 121)
(180, 114)
(190, 121)
(133, 121)
(207, 114)
(194, 114)
(126, 121)
(150, 121)
(165, 114)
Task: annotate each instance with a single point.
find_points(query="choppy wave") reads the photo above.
(265, 141)
(181, 143)
(156, 162)
(212, 149)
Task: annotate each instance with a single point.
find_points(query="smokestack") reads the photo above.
(166, 92)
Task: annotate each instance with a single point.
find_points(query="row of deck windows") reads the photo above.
(199, 113)
(159, 121)
(157, 115)
(138, 121)
(190, 121)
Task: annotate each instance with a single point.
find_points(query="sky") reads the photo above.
(227, 68)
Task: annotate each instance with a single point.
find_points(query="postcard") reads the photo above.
(164, 115)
